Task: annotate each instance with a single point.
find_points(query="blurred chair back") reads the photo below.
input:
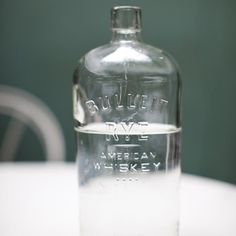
(24, 110)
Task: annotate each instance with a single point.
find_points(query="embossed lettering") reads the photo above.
(143, 137)
(124, 168)
(112, 155)
(111, 128)
(118, 104)
(105, 103)
(97, 166)
(119, 156)
(136, 156)
(156, 165)
(103, 156)
(163, 103)
(126, 156)
(122, 156)
(143, 101)
(158, 104)
(144, 156)
(127, 128)
(134, 102)
(108, 167)
(153, 154)
(131, 101)
(132, 167)
(92, 107)
(144, 167)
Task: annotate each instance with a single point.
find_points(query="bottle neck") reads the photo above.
(125, 36)
(126, 23)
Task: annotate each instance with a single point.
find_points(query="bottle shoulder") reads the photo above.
(129, 57)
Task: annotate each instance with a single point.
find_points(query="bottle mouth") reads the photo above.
(126, 18)
(126, 8)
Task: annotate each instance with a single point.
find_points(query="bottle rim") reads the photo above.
(126, 8)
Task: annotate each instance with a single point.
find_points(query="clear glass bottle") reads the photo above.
(127, 121)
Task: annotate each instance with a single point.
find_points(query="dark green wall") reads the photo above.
(40, 42)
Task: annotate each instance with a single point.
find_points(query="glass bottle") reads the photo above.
(126, 98)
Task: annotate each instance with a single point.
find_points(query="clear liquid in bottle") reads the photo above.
(129, 183)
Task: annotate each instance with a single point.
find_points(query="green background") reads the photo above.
(41, 41)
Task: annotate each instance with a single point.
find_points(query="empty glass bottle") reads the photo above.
(127, 121)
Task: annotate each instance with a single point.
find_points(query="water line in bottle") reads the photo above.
(167, 150)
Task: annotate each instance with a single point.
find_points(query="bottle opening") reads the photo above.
(126, 18)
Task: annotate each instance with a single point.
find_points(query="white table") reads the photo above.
(41, 200)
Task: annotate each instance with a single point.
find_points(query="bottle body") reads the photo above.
(127, 120)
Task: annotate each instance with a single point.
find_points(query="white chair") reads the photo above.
(26, 110)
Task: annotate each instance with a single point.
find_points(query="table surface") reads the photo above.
(42, 199)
